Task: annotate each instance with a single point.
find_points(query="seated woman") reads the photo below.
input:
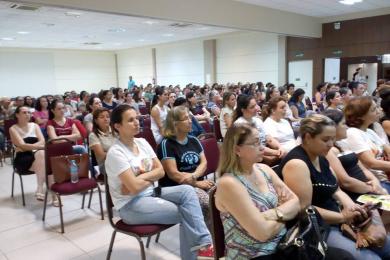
(41, 114)
(29, 144)
(253, 201)
(59, 126)
(246, 113)
(93, 103)
(296, 104)
(107, 99)
(353, 177)
(132, 167)
(159, 113)
(333, 100)
(385, 105)
(319, 96)
(225, 117)
(183, 158)
(196, 128)
(101, 138)
(307, 173)
(200, 112)
(360, 113)
(276, 126)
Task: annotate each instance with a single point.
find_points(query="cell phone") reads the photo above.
(374, 206)
(157, 191)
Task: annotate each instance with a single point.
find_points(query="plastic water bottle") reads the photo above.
(74, 172)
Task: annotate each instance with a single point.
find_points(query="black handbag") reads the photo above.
(306, 239)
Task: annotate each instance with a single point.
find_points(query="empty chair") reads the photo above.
(211, 151)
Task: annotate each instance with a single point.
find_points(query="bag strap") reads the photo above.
(313, 218)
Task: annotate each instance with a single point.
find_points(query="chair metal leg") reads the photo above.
(90, 198)
(44, 205)
(61, 216)
(141, 245)
(21, 185)
(13, 181)
(111, 245)
(82, 203)
(148, 241)
(100, 202)
(157, 237)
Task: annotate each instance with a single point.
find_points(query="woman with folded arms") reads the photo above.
(132, 167)
(41, 114)
(307, 173)
(159, 113)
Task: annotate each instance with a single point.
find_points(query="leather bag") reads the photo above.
(60, 166)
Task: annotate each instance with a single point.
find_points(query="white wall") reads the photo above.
(248, 57)
(180, 63)
(135, 62)
(36, 72)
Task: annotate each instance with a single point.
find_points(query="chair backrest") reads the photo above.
(217, 129)
(57, 147)
(143, 110)
(217, 232)
(207, 127)
(148, 135)
(109, 203)
(146, 122)
(7, 125)
(211, 151)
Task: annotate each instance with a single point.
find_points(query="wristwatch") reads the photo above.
(279, 214)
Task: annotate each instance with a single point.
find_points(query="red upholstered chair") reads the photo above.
(146, 123)
(207, 127)
(136, 231)
(143, 110)
(211, 151)
(63, 146)
(148, 135)
(217, 129)
(217, 232)
(83, 132)
(8, 144)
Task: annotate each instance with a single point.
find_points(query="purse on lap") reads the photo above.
(306, 240)
(60, 166)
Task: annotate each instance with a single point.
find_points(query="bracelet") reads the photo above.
(193, 176)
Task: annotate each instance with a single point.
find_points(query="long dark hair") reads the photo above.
(226, 97)
(159, 91)
(96, 115)
(52, 106)
(117, 114)
(38, 106)
(298, 92)
(242, 103)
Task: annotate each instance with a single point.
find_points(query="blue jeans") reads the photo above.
(386, 185)
(178, 204)
(337, 240)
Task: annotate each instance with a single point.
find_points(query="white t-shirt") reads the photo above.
(359, 141)
(153, 125)
(224, 111)
(119, 159)
(258, 123)
(282, 132)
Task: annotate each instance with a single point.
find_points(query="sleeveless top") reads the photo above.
(30, 132)
(153, 125)
(241, 245)
(350, 165)
(324, 182)
(301, 108)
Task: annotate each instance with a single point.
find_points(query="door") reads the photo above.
(300, 73)
(368, 73)
(332, 70)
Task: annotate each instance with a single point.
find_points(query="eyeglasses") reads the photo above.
(184, 119)
(256, 144)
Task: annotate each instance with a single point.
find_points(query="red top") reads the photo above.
(66, 129)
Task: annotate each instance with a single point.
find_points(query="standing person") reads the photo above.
(130, 84)
(159, 113)
(253, 201)
(226, 116)
(132, 167)
(28, 139)
(307, 173)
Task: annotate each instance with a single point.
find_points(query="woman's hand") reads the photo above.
(354, 214)
(204, 185)
(376, 187)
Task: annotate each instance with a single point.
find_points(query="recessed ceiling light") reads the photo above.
(117, 43)
(167, 35)
(21, 32)
(349, 2)
(48, 24)
(73, 14)
(141, 40)
(92, 43)
(7, 39)
(117, 30)
(150, 22)
(203, 28)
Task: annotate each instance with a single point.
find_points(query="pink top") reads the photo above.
(41, 115)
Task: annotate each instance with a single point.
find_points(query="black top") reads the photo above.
(186, 155)
(324, 182)
(350, 165)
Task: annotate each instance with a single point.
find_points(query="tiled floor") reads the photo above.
(23, 234)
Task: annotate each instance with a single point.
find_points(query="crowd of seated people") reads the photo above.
(345, 132)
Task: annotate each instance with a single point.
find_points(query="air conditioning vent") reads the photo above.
(92, 43)
(24, 7)
(181, 25)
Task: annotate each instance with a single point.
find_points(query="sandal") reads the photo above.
(40, 196)
(55, 201)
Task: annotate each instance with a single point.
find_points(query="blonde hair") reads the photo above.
(229, 160)
(314, 125)
(174, 115)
